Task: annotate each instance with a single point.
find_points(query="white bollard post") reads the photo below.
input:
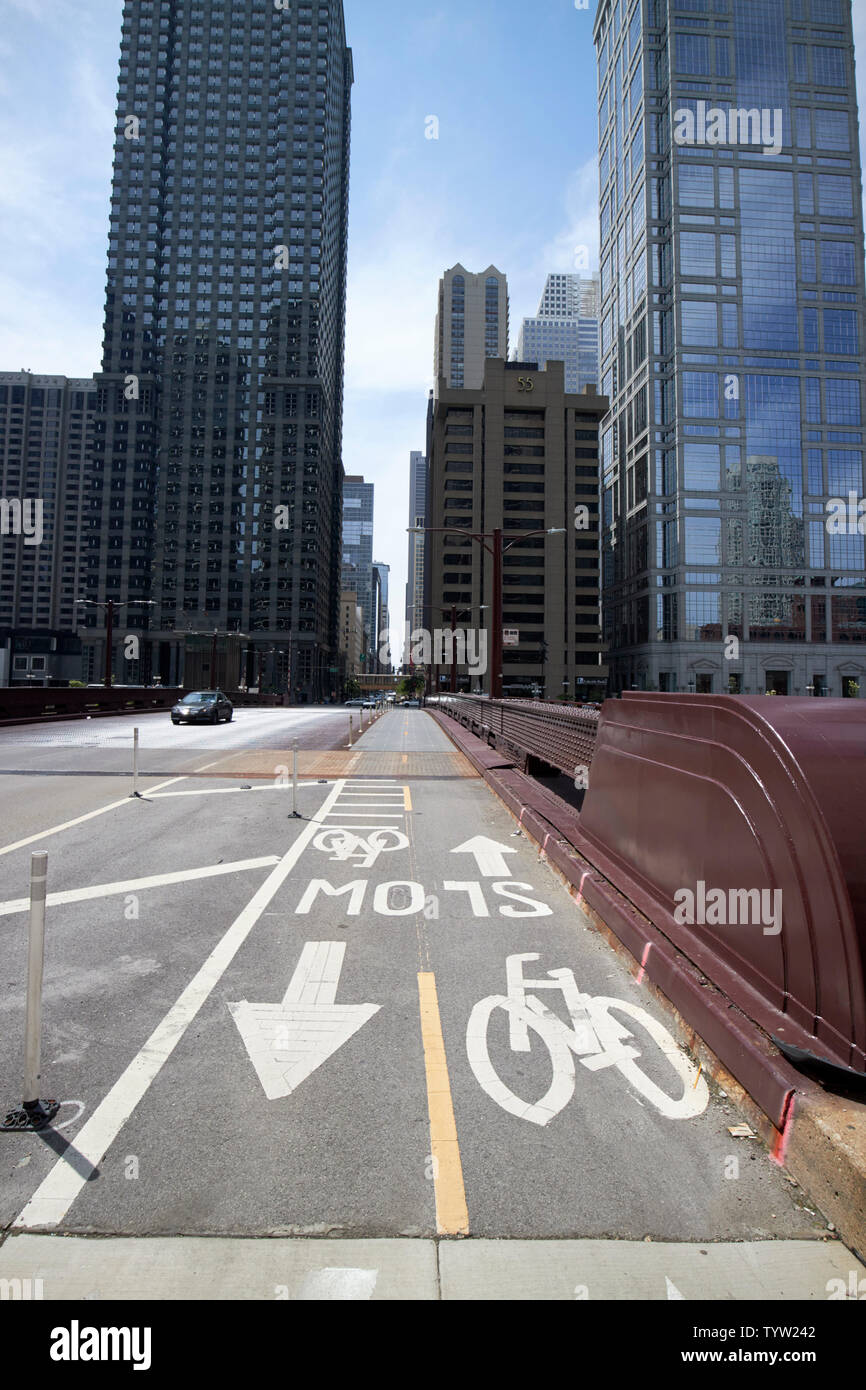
(295, 778)
(135, 762)
(350, 731)
(35, 960)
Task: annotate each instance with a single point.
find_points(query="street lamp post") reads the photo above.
(109, 605)
(496, 549)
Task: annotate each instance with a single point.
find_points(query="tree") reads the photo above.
(353, 689)
(411, 685)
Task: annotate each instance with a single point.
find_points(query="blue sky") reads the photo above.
(511, 180)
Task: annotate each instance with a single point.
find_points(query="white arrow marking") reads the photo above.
(287, 1042)
(489, 855)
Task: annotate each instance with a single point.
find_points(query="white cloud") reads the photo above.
(581, 226)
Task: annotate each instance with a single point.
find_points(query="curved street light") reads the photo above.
(496, 549)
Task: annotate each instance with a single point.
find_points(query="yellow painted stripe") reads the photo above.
(407, 799)
(452, 1217)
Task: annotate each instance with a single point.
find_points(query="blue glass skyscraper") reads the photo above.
(731, 345)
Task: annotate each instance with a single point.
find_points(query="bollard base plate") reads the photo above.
(30, 1117)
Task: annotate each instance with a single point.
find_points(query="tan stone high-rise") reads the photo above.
(519, 454)
(471, 325)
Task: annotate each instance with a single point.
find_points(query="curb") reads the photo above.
(819, 1138)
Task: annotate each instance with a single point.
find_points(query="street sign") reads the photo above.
(511, 637)
(287, 1042)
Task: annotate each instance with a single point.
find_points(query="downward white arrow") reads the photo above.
(288, 1041)
(489, 854)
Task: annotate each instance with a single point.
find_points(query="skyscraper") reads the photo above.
(731, 345)
(565, 330)
(383, 615)
(570, 296)
(217, 452)
(471, 325)
(417, 515)
(520, 456)
(45, 425)
(357, 565)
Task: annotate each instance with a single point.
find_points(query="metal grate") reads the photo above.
(561, 735)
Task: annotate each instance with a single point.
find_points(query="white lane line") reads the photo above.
(356, 805)
(59, 1189)
(133, 885)
(348, 825)
(79, 820)
(230, 791)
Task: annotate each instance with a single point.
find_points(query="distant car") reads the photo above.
(356, 704)
(203, 707)
(411, 704)
(369, 704)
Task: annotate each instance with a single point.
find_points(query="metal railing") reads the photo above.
(562, 736)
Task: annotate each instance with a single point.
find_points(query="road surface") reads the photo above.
(383, 1022)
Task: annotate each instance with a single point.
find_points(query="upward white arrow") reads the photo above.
(489, 855)
(287, 1042)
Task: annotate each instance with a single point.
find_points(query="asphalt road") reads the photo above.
(64, 769)
(266, 1026)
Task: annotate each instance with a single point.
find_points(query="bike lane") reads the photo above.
(617, 1136)
(314, 1075)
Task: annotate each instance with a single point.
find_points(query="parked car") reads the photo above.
(203, 707)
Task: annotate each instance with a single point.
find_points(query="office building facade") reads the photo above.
(45, 437)
(357, 564)
(732, 316)
(520, 455)
(382, 573)
(217, 472)
(565, 329)
(414, 614)
(471, 325)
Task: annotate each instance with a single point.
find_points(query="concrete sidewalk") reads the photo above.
(179, 1268)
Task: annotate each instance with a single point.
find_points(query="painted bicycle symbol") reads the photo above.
(342, 845)
(596, 1036)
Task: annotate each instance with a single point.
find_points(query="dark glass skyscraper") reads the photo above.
(217, 472)
(357, 569)
(731, 345)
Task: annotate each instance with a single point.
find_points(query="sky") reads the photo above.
(511, 180)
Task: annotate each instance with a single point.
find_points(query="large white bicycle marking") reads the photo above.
(595, 1036)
